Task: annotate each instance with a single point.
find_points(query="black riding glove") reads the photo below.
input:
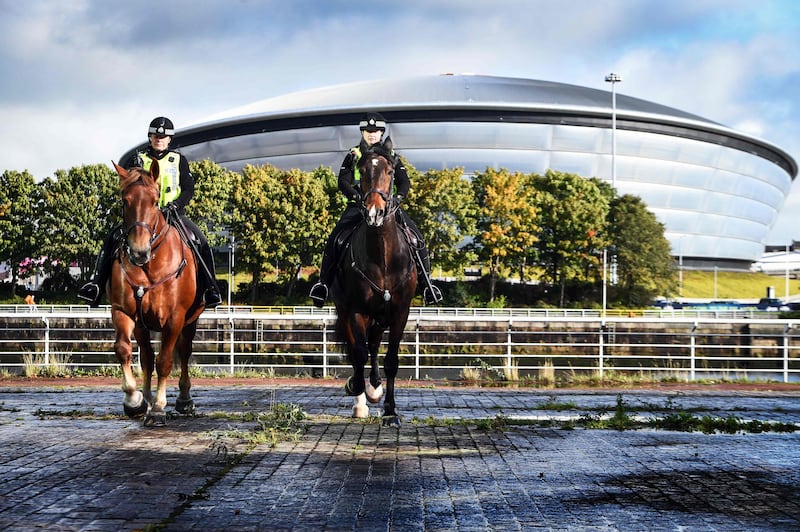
(170, 210)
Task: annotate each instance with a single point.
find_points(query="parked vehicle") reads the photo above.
(771, 304)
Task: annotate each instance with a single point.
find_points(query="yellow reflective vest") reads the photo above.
(168, 175)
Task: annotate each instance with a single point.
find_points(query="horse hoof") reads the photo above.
(374, 395)
(360, 411)
(155, 419)
(184, 406)
(135, 411)
(391, 421)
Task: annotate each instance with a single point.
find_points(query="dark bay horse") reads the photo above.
(374, 287)
(152, 287)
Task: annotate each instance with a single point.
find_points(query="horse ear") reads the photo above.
(154, 170)
(388, 144)
(120, 170)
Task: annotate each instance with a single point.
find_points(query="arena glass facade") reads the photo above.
(717, 191)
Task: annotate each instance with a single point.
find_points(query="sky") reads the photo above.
(81, 79)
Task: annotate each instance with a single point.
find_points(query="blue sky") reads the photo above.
(81, 79)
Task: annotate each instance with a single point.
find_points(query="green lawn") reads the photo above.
(735, 285)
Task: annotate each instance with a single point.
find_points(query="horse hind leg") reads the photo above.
(184, 403)
(391, 364)
(374, 385)
(157, 416)
(355, 384)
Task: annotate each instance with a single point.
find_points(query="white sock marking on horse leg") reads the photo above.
(360, 408)
(374, 394)
(133, 400)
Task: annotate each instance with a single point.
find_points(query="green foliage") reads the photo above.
(645, 266)
(506, 220)
(552, 227)
(17, 208)
(441, 203)
(76, 211)
(210, 207)
(573, 213)
(280, 217)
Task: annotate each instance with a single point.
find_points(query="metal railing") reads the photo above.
(439, 343)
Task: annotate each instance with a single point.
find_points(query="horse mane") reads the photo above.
(137, 173)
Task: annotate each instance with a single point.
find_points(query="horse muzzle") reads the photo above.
(138, 257)
(375, 216)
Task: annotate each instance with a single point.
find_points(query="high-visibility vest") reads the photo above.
(168, 175)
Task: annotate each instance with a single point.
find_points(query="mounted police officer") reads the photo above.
(177, 188)
(372, 127)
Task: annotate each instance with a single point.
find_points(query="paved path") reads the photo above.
(68, 461)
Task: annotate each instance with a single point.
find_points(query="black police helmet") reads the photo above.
(372, 122)
(161, 125)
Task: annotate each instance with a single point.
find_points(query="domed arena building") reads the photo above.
(718, 191)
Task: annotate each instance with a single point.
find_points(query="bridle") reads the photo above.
(391, 209)
(158, 231)
(156, 234)
(391, 206)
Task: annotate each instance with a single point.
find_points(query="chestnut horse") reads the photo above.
(374, 287)
(152, 287)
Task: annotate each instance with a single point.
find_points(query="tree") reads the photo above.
(17, 207)
(442, 204)
(78, 209)
(506, 220)
(573, 213)
(210, 207)
(645, 266)
(280, 217)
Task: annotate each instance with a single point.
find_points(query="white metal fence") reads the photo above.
(439, 343)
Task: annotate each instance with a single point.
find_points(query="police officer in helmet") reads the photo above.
(177, 189)
(372, 127)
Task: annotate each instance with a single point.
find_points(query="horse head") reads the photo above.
(141, 215)
(376, 167)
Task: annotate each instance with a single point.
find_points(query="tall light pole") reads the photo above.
(231, 249)
(613, 79)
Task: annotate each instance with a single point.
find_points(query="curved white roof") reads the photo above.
(717, 190)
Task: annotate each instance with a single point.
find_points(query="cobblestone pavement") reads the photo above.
(69, 461)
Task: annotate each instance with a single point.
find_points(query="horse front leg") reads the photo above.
(134, 404)
(184, 403)
(391, 363)
(374, 387)
(355, 334)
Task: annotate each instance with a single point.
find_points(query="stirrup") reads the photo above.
(318, 294)
(90, 292)
(432, 295)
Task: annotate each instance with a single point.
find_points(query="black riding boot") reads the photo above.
(431, 295)
(211, 295)
(319, 292)
(92, 291)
